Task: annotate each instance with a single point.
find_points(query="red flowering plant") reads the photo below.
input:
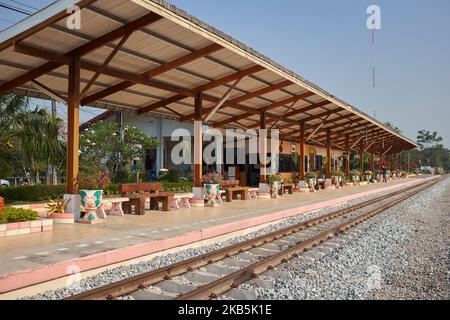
(275, 178)
(98, 182)
(212, 178)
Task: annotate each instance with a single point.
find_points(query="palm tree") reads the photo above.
(38, 137)
(11, 106)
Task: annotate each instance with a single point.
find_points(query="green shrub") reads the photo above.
(11, 215)
(178, 187)
(112, 190)
(3, 218)
(36, 193)
(170, 176)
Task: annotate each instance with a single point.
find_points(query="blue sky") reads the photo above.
(328, 43)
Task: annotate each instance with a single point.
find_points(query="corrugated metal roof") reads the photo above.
(176, 34)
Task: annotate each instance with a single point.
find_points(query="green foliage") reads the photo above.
(12, 215)
(274, 178)
(125, 175)
(36, 193)
(393, 127)
(355, 173)
(426, 139)
(178, 187)
(103, 150)
(431, 152)
(311, 175)
(37, 137)
(10, 163)
(337, 173)
(11, 106)
(170, 176)
(3, 218)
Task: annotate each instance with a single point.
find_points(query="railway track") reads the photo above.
(215, 274)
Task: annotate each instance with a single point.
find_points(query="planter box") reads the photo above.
(20, 228)
(62, 218)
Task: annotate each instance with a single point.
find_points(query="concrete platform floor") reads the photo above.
(147, 234)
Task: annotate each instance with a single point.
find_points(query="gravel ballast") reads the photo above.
(343, 274)
(401, 254)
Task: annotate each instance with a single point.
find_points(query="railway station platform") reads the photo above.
(31, 259)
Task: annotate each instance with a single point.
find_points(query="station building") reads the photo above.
(161, 68)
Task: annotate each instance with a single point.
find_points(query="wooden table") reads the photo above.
(232, 193)
(287, 188)
(138, 193)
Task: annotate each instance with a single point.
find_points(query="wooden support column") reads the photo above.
(399, 162)
(73, 119)
(301, 161)
(263, 151)
(198, 142)
(329, 154)
(347, 150)
(361, 158)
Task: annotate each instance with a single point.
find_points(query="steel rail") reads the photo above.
(123, 287)
(233, 280)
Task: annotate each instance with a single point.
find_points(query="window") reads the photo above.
(286, 163)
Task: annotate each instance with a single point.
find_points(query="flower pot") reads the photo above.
(275, 188)
(91, 201)
(211, 192)
(62, 218)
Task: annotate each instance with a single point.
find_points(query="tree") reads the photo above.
(11, 106)
(394, 128)
(102, 149)
(37, 135)
(426, 139)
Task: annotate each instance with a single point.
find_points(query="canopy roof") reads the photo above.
(150, 57)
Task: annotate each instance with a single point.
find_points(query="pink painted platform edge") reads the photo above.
(24, 278)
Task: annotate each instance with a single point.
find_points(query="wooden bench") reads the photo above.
(139, 192)
(232, 193)
(287, 188)
(229, 183)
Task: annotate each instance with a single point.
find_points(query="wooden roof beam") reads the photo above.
(248, 96)
(287, 116)
(202, 88)
(82, 50)
(154, 72)
(64, 60)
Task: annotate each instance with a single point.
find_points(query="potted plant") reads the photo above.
(356, 176)
(211, 184)
(368, 175)
(347, 181)
(57, 212)
(289, 181)
(275, 181)
(311, 178)
(92, 194)
(336, 176)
